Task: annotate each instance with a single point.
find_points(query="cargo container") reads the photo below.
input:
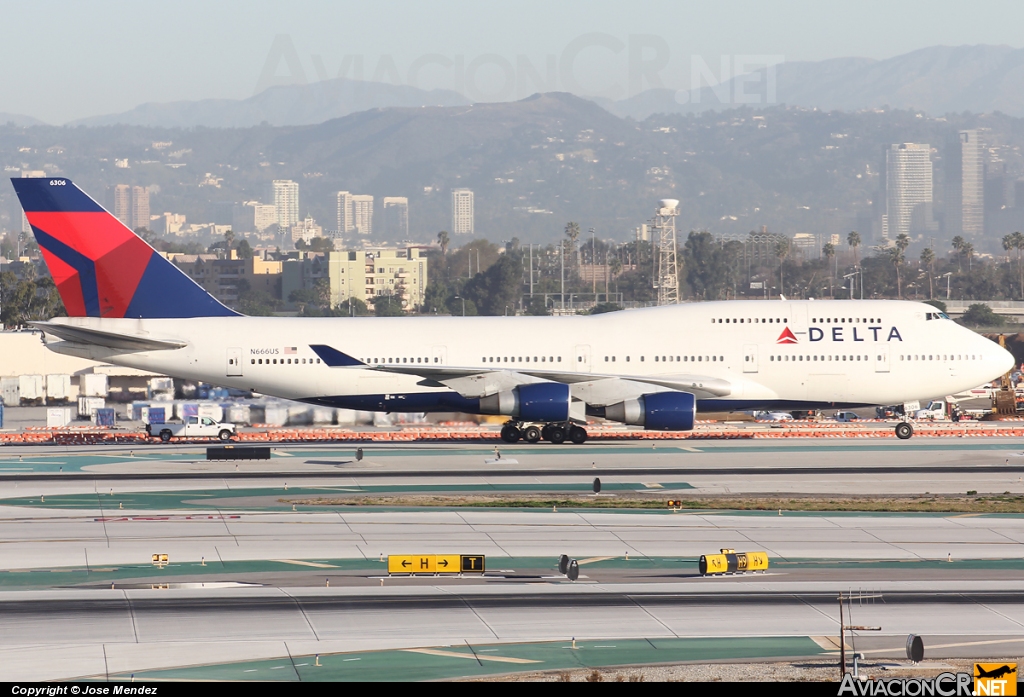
(94, 385)
(87, 406)
(30, 388)
(214, 411)
(345, 417)
(275, 415)
(183, 410)
(299, 415)
(239, 414)
(323, 415)
(58, 389)
(58, 417)
(104, 417)
(10, 391)
(157, 415)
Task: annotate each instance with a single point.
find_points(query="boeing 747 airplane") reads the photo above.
(653, 367)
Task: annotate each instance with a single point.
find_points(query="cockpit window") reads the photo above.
(936, 315)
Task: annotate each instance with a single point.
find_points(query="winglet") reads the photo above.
(333, 357)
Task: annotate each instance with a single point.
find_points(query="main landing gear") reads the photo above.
(904, 430)
(555, 433)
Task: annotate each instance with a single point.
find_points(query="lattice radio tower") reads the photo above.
(663, 234)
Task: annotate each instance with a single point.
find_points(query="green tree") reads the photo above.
(244, 250)
(782, 251)
(707, 266)
(928, 261)
(981, 315)
(958, 244)
(601, 308)
(572, 232)
(444, 241)
(496, 291)
(853, 240)
(389, 305)
(317, 244)
(229, 237)
(938, 304)
(829, 250)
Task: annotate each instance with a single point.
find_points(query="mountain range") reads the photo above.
(936, 80)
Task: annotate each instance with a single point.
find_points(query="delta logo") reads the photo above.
(995, 678)
(786, 337)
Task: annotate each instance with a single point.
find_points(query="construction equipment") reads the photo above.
(1004, 400)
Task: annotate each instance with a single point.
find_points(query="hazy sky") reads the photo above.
(67, 60)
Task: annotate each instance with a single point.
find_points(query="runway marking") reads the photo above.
(689, 449)
(456, 654)
(953, 646)
(305, 563)
(594, 559)
(652, 485)
(967, 515)
(830, 643)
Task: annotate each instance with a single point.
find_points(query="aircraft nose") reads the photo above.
(1006, 360)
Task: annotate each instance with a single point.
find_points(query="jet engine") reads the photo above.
(543, 401)
(658, 411)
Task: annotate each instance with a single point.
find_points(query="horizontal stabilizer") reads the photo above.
(333, 357)
(124, 342)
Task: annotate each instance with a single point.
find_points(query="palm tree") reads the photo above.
(958, 246)
(572, 231)
(928, 259)
(782, 251)
(1018, 244)
(444, 241)
(829, 250)
(968, 251)
(853, 239)
(897, 258)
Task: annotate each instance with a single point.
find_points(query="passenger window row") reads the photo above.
(755, 320)
(283, 361)
(821, 358)
(937, 357)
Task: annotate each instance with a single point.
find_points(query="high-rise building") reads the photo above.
(908, 189)
(362, 214)
(965, 186)
(285, 194)
(344, 212)
(253, 216)
(120, 203)
(140, 208)
(130, 205)
(462, 212)
(396, 217)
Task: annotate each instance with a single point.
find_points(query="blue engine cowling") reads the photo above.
(542, 401)
(658, 411)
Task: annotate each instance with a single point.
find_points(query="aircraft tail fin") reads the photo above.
(100, 267)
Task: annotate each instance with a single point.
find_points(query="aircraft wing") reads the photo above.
(95, 337)
(477, 382)
(598, 389)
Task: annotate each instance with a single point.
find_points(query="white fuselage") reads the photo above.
(782, 353)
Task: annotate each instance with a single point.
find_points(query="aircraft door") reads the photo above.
(439, 355)
(582, 359)
(234, 362)
(750, 358)
(881, 358)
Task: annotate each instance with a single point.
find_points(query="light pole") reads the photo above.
(947, 275)
(459, 297)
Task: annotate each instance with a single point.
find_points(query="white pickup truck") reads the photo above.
(192, 427)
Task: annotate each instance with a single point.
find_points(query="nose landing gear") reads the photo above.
(904, 430)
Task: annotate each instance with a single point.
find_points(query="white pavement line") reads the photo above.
(456, 654)
(949, 646)
(305, 563)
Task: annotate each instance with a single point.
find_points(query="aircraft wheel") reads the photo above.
(556, 434)
(904, 430)
(531, 434)
(578, 435)
(165, 436)
(510, 434)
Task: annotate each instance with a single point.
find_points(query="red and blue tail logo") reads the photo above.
(100, 267)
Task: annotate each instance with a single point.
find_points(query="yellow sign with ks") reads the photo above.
(435, 563)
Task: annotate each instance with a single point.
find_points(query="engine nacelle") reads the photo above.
(658, 411)
(542, 401)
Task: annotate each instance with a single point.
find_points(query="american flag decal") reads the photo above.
(289, 350)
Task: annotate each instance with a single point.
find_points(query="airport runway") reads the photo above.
(254, 589)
